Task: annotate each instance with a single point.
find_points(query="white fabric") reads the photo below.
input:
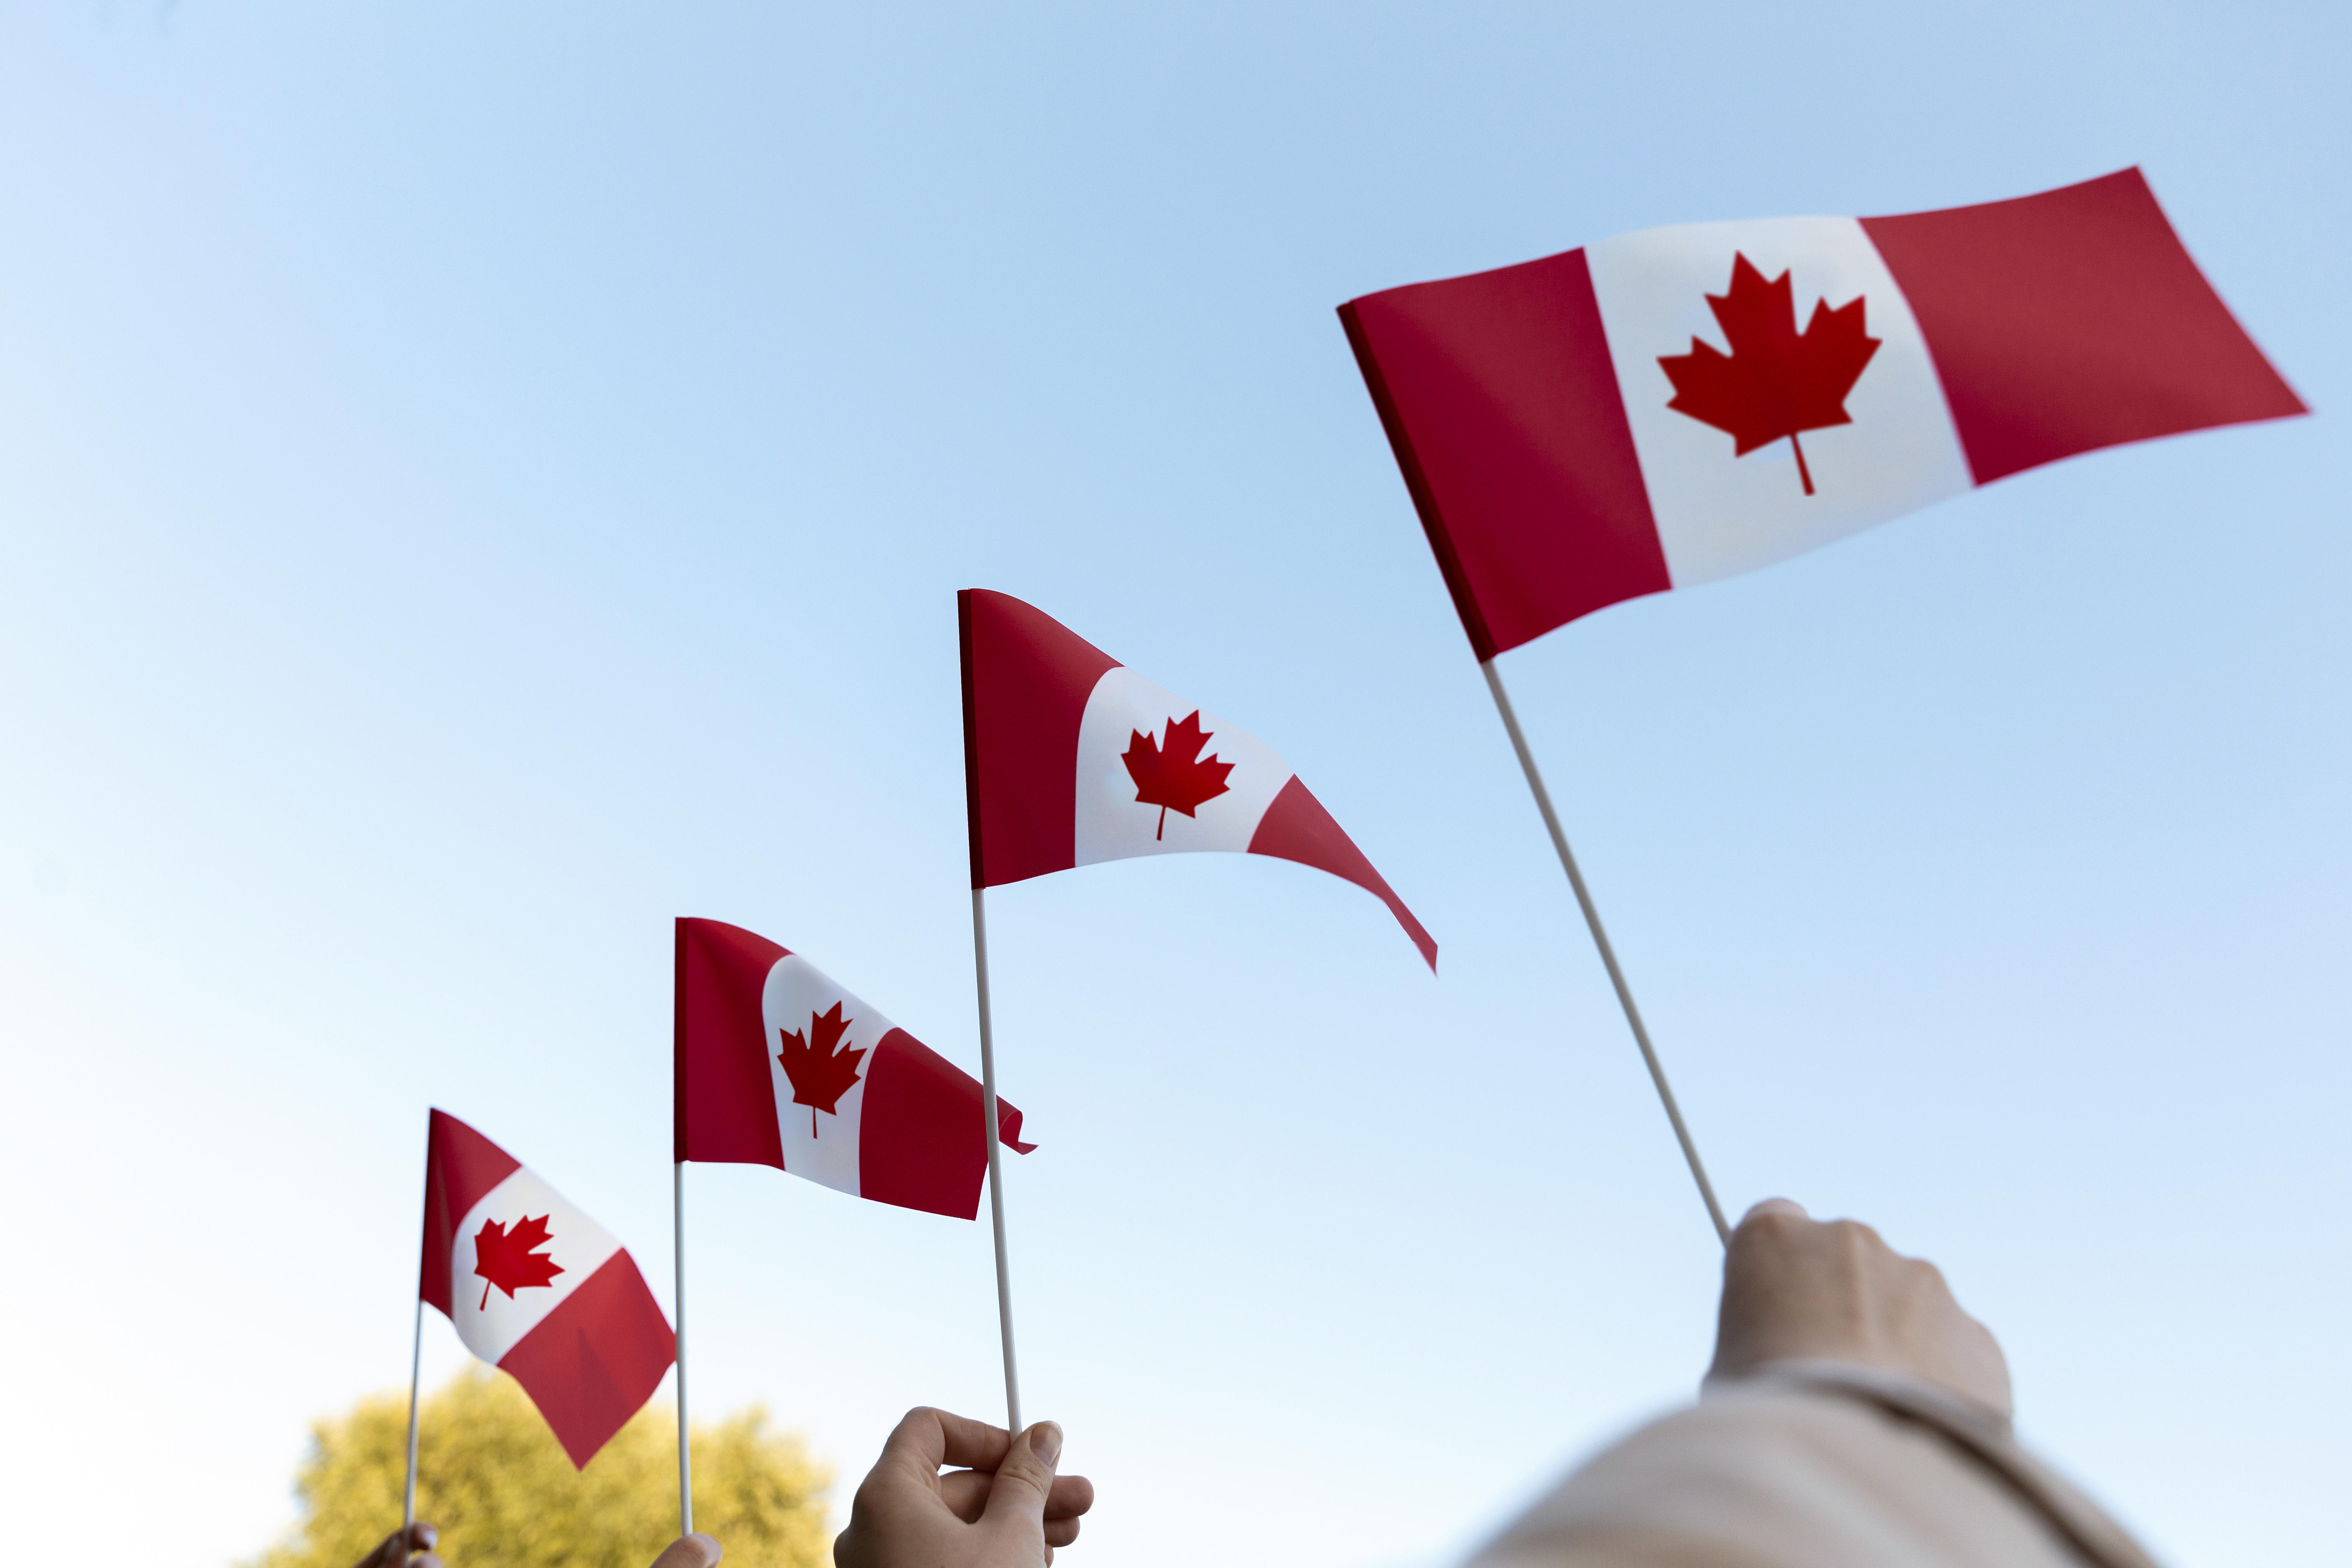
(1718, 514)
(1816, 1465)
(575, 1244)
(823, 1147)
(1113, 825)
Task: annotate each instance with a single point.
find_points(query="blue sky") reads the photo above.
(476, 483)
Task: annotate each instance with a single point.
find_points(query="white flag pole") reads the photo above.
(1608, 953)
(677, 1235)
(415, 1369)
(408, 1487)
(995, 1163)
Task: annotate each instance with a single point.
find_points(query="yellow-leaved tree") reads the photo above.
(492, 1476)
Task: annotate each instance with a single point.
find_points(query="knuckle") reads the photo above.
(1855, 1239)
(1028, 1473)
(1757, 1237)
(1773, 1231)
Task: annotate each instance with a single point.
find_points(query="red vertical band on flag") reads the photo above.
(723, 1100)
(1297, 827)
(593, 1361)
(460, 1168)
(2070, 320)
(1026, 679)
(918, 1143)
(1500, 400)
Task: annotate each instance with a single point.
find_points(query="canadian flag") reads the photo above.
(1071, 758)
(537, 1289)
(1683, 404)
(777, 1064)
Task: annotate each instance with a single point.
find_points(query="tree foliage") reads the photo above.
(493, 1478)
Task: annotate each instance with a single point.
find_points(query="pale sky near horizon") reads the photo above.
(477, 483)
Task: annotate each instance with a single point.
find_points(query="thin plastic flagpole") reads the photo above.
(1608, 953)
(995, 1164)
(408, 1487)
(678, 1236)
(415, 1369)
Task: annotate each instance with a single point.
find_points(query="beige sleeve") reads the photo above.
(1815, 1468)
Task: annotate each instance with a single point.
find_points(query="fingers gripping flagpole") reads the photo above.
(1608, 953)
(678, 1237)
(995, 1166)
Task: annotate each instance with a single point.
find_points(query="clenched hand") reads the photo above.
(1003, 1507)
(1796, 1287)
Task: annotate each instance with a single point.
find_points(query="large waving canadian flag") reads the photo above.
(1071, 758)
(778, 1065)
(537, 1289)
(1679, 404)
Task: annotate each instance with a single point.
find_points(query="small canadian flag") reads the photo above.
(1572, 435)
(1071, 758)
(537, 1289)
(778, 1065)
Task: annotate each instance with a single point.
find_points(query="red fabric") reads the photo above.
(1500, 400)
(461, 1166)
(918, 1143)
(593, 1361)
(2073, 320)
(1296, 827)
(1026, 679)
(723, 1100)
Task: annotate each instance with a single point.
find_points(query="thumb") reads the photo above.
(696, 1550)
(1024, 1478)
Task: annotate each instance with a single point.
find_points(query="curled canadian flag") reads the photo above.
(778, 1065)
(537, 1289)
(1071, 758)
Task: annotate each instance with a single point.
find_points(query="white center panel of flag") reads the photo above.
(1717, 513)
(1227, 779)
(818, 1060)
(519, 1252)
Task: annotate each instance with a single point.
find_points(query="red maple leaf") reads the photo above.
(1176, 779)
(509, 1259)
(1776, 381)
(820, 1074)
